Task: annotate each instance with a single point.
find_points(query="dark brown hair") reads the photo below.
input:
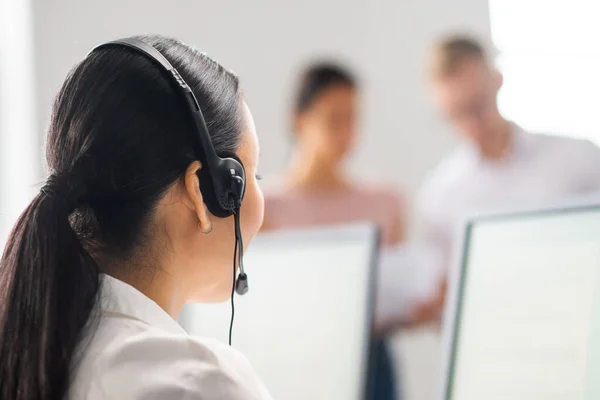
(450, 53)
(316, 79)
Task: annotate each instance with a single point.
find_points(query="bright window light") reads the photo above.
(549, 54)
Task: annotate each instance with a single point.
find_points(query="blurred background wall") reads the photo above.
(267, 41)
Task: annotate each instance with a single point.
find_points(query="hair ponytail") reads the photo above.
(48, 287)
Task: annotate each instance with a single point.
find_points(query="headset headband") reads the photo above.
(206, 149)
(222, 179)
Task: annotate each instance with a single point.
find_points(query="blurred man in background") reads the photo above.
(498, 165)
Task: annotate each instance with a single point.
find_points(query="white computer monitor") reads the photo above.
(305, 324)
(526, 311)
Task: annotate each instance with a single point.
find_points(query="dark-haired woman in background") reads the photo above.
(315, 191)
(101, 262)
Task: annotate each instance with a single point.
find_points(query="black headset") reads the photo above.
(222, 180)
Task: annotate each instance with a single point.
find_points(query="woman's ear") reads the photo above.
(193, 198)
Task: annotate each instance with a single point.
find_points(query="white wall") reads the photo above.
(265, 41)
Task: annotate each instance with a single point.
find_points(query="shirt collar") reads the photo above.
(117, 297)
(521, 141)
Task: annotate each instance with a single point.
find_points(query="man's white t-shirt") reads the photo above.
(539, 170)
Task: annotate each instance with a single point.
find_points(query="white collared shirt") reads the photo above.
(139, 352)
(540, 170)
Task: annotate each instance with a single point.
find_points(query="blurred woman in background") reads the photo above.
(315, 191)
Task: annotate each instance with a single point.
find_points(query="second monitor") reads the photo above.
(526, 323)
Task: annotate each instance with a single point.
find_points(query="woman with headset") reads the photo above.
(315, 191)
(138, 216)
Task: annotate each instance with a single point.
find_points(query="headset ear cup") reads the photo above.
(223, 197)
(236, 179)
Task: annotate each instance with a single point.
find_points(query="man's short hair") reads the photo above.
(451, 52)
